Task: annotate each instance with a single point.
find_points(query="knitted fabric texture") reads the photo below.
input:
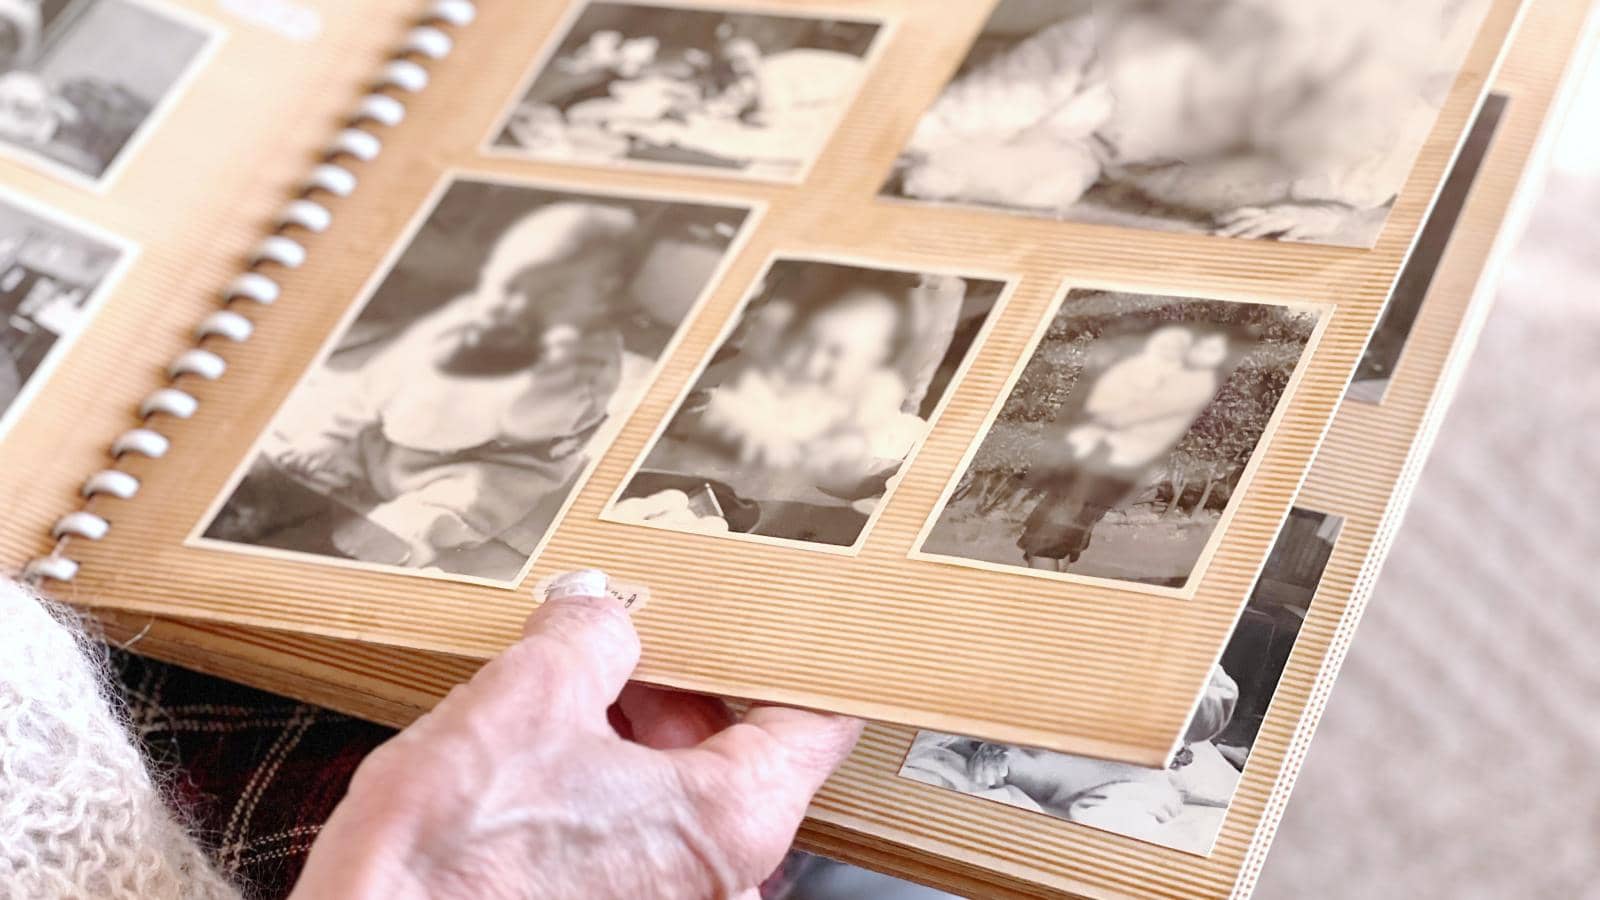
(80, 814)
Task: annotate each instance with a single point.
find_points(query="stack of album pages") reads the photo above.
(1042, 380)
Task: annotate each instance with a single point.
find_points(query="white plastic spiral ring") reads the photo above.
(143, 441)
(332, 178)
(169, 401)
(404, 73)
(380, 108)
(81, 524)
(55, 567)
(452, 12)
(110, 481)
(199, 363)
(307, 214)
(225, 323)
(286, 252)
(251, 286)
(425, 40)
(363, 145)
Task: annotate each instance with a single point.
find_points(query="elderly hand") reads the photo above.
(548, 776)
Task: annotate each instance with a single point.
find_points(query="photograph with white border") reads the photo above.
(1275, 119)
(713, 89)
(81, 81)
(813, 402)
(55, 273)
(452, 417)
(1124, 439)
(1184, 805)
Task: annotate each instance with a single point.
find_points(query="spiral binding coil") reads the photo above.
(404, 73)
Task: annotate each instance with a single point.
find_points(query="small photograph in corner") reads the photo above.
(804, 415)
(82, 80)
(1388, 341)
(1286, 119)
(448, 424)
(53, 274)
(756, 94)
(1124, 440)
(1183, 806)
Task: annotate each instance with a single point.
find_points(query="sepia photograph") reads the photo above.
(1184, 805)
(690, 87)
(81, 80)
(1388, 340)
(812, 403)
(53, 274)
(1284, 119)
(447, 425)
(1124, 440)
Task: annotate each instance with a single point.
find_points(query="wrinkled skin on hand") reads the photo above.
(547, 777)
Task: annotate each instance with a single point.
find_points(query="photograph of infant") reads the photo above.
(447, 425)
(1388, 341)
(53, 274)
(1184, 805)
(812, 403)
(1124, 440)
(80, 80)
(690, 87)
(1288, 119)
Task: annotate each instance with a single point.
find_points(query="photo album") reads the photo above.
(1041, 380)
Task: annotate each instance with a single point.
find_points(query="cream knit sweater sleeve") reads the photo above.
(80, 814)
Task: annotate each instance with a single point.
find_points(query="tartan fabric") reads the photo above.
(255, 774)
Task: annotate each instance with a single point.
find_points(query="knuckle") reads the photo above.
(743, 835)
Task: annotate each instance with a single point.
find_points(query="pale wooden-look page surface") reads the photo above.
(1092, 665)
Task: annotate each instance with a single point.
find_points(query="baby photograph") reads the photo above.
(1124, 439)
(755, 94)
(80, 79)
(1287, 119)
(1184, 805)
(450, 420)
(810, 406)
(51, 274)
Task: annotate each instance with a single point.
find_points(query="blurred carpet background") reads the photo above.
(1460, 754)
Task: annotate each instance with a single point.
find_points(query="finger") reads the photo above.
(786, 751)
(1233, 228)
(1243, 214)
(578, 650)
(671, 720)
(1266, 227)
(750, 783)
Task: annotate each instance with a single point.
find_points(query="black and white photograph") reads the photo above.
(1285, 119)
(1388, 341)
(1184, 805)
(82, 80)
(1124, 440)
(697, 88)
(815, 399)
(447, 425)
(54, 273)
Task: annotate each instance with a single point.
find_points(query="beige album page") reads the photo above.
(761, 306)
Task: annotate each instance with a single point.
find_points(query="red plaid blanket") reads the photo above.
(258, 774)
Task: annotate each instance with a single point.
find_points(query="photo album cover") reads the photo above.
(893, 354)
